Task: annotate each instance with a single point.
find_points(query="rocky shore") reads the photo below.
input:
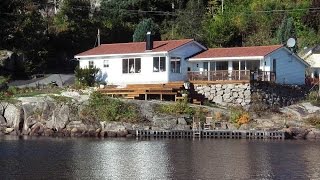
(45, 116)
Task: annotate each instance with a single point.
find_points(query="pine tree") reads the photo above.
(143, 27)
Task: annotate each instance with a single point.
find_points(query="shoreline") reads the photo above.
(286, 134)
(52, 117)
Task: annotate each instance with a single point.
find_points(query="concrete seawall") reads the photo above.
(217, 134)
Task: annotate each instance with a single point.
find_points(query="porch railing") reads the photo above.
(234, 75)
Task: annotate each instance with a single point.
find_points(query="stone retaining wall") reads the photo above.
(244, 94)
(276, 94)
(226, 94)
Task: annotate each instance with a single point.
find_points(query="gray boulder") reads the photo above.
(37, 129)
(8, 130)
(12, 114)
(166, 122)
(59, 118)
(2, 121)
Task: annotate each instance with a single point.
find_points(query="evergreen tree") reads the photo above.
(286, 31)
(143, 27)
(189, 21)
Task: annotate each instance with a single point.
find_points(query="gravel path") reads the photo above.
(60, 79)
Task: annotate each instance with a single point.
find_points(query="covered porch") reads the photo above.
(230, 70)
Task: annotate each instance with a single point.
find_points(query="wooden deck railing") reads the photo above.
(234, 75)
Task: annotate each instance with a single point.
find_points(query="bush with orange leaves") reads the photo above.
(239, 116)
(243, 119)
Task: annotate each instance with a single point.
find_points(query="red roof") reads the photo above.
(238, 51)
(134, 47)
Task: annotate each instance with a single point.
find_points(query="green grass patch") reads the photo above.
(179, 107)
(104, 108)
(61, 99)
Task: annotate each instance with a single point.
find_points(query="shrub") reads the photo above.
(314, 120)
(244, 118)
(3, 80)
(239, 116)
(3, 83)
(86, 76)
(104, 108)
(61, 99)
(313, 98)
(209, 103)
(180, 107)
(201, 113)
(261, 108)
(218, 116)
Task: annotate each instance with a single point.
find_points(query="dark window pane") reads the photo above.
(125, 66)
(156, 64)
(243, 65)
(91, 64)
(173, 66)
(212, 67)
(178, 67)
(137, 65)
(131, 65)
(205, 66)
(223, 65)
(162, 64)
(235, 65)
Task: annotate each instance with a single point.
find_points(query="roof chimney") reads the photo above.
(149, 42)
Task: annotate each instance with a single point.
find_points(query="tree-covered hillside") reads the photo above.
(48, 39)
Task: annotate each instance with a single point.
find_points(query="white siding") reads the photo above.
(113, 74)
(314, 60)
(289, 69)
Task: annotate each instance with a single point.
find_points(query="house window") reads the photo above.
(131, 65)
(222, 65)
(175, 64)
(274, 65)
(205, 66)
(212, 66)
(91, 64)
(253, 65)
(105, 63)
(159, 64)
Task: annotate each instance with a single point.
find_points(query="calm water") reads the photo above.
(48, 158)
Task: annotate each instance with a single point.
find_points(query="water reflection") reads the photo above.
(116, 159)
(46, 158)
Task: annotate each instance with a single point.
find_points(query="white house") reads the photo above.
(155, 62)
(267, 63)
(312, 56)
(148, 62)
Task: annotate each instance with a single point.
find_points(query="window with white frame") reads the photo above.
(91, 64)
(159, 64)
(175, 64)
(106, 63)
(131, 65)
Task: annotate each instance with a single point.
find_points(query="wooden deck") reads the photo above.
(135, 91)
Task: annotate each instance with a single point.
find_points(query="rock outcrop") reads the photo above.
(44, 116)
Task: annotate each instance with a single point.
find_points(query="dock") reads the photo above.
(216, 134)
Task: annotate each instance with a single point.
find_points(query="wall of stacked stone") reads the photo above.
(246, 94)
(276, 94)
(226, 94)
